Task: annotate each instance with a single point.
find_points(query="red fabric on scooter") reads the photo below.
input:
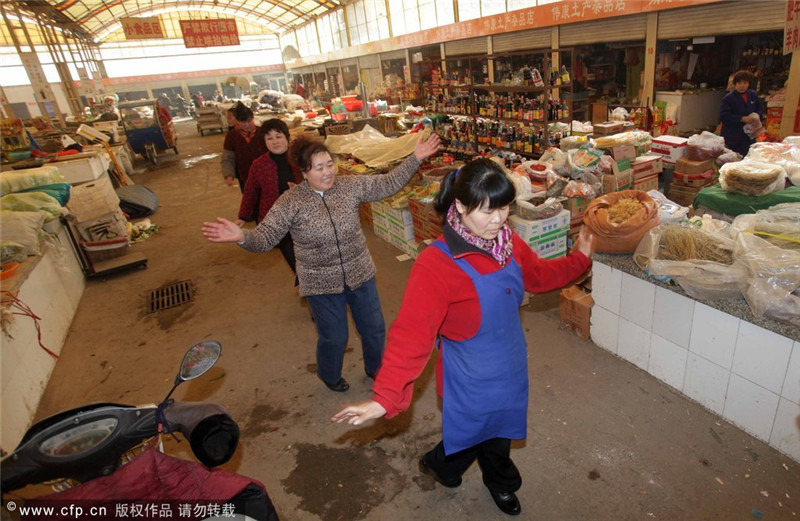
(155, 475)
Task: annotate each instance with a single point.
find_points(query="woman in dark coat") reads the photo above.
(736, 110)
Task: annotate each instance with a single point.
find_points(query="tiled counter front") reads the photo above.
(747, 370)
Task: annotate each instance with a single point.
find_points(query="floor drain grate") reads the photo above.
(170, 296)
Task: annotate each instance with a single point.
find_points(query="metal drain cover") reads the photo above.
(170, 296)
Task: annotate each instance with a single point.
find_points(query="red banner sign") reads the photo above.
(209, 33)
(142, 28)
(791, 27)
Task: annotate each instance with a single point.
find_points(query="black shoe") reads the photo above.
(425, 469)
(340, 386)
(507, 502)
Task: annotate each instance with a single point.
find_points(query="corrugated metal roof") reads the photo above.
(99, 20)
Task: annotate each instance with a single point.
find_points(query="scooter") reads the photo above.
(113, 452)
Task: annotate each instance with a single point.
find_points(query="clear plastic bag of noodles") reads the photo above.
(701, 262)
(772, 287)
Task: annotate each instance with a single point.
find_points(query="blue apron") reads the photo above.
(485, 377)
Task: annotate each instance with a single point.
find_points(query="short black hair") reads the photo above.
(241, 112)
(278, 125)
(743, 76)
(478, 182)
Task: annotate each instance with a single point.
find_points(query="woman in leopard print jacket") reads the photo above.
(334, 266)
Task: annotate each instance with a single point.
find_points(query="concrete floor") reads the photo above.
(606, 441)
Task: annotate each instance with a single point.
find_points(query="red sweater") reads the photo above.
(441, 299)
(261, 188)
(245, 152)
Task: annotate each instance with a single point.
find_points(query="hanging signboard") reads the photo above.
(209, 33)
(791, 27)
(142, 28)
(36, 74)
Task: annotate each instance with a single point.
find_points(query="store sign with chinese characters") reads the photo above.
(209, 33)
(791, 27)
(142, 28)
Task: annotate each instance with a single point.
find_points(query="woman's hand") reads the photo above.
(359, 413)
(223, 231)
(586, 242)
(426, 148)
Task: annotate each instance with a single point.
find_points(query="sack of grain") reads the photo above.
(619, 220)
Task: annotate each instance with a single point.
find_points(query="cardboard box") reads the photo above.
(690, 167)
(575, 310)
(551, 247)
(647, 183)
(623, 152)
(576, 206)
(617, 182)
(89, 201)
(607, 128)
(694, 180)
(530, 230)
(670, 148)
(645, 166)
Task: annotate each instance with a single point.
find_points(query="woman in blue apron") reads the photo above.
(463, 297)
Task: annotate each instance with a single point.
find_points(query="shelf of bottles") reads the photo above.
(514, 114)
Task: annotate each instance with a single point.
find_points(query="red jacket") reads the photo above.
(441, 299)
(261, 188)
(245, 152)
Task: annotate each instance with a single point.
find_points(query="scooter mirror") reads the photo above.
(198, 359)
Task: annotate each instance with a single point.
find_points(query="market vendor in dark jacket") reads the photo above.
(334, 266)
(243, 144)
(463, 296)
(735, 113)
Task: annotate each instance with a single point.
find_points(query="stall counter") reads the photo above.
(743, 368)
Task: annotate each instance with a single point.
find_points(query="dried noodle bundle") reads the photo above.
(682, 243)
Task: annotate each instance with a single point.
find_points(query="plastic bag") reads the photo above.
(557, 159)
(728, 156)
(668, 211)
(19, 180)
(786, 154)
(778, 225)
(773, 285)
(583, 160)
(522, 183)
(704, 146)
(33, 202)
(752, 178)
(537, 171)
(619, 114)
(620, 237)
(754, 128)
(20, 233)
(701, 279)
(535, 206)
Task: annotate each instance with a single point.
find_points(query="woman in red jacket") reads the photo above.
(463, 295)
(270, 175)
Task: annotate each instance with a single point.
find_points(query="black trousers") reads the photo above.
(494, 456)
(287, 249)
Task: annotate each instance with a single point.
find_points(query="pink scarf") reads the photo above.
(499, 247)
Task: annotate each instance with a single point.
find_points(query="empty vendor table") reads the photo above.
(745, 369)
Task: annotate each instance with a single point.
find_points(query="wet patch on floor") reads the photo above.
(169, 317)
(263, 418)
(342, 484)
(190, 162)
